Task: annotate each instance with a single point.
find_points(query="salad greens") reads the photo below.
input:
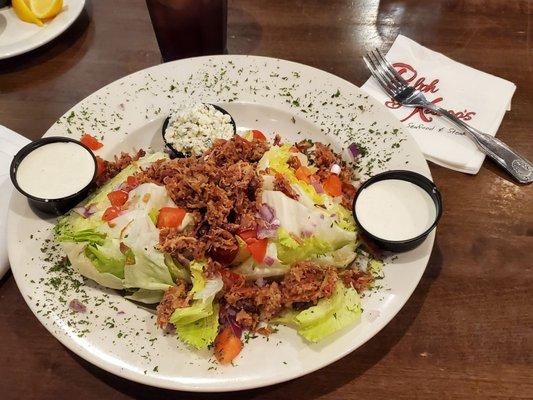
(197, 324)
(330, 315)
(94, 247)
(124, 253)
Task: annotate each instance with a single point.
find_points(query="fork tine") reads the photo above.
(374, 71)
(376, 76)
(385, 72)
(391, 69)
(384, 67)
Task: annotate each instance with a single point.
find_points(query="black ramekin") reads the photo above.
(50, 206)
(179, 154)
(417, 179)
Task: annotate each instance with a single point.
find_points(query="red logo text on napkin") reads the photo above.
(411, 75)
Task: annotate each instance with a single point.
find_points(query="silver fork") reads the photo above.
(399, 90)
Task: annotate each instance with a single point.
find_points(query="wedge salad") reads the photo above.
(246, 236)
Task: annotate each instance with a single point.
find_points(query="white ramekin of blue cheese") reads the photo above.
(54, 173)
(194, 130)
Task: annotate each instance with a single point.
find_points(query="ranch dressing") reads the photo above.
(55, 170)
(394, 209)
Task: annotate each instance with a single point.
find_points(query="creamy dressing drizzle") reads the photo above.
(394, 209)
(55, 170)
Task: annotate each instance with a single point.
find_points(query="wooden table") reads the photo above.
(467, 330)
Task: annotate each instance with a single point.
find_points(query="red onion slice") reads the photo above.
(266, 232)
(268, 261)
(77, 306)
(226, 317)
(86, 211)
(318, 187)
(354, 151)
(267, 212)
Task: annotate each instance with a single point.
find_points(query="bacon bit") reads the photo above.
(100, 167)
(304, 145)
(174, 297)
(146, 197)
(308, 282)
(77, 306)
(264, 330)
(294, 162)
(123, 248)
(283, 185)
(112, 168)
(356, 279)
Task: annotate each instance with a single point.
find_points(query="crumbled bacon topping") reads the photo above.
(175, 297)
(112, 168)
(283, 185)
(221, 187)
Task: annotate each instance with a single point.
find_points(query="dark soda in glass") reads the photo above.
(189, 28)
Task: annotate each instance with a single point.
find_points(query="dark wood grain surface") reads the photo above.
(466, 332)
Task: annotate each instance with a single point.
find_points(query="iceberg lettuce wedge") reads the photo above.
(291, 251)
(197, 325)
(200, 333)
(330, 315)
(146, 296)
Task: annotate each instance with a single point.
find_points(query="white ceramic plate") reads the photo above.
(17, 37)
(264, 93)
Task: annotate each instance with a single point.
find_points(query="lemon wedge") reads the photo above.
(44, 9)
(24, 12)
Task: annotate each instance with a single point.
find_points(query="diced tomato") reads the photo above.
(227, 346)
(132, 182)
(170, 217)
(111, 213)
(256, 247)
(349, 189)
(91, 142)
(248, 234)
(332, 185)
(230, 278)
(100, 166)
(303, 173)
(118, 198)
(259, 135)
(294, 149)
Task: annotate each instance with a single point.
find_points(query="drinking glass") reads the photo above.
(189, 28)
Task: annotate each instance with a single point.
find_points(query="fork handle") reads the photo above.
(516, 165)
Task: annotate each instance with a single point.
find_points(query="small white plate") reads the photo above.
(18, 37)
(272, 95)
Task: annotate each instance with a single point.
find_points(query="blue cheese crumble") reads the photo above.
(194, 130)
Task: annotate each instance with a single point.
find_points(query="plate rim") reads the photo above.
(159, 381)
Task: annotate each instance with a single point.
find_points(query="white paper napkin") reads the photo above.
(10, 143)
(480, 99)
